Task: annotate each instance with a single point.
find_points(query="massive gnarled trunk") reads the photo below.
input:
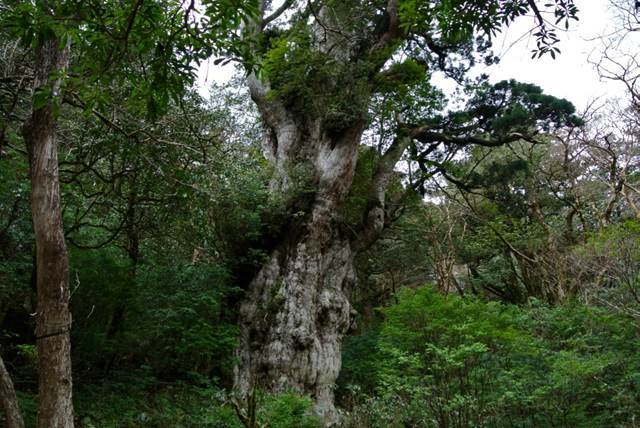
(296, 310)
(295, 316)
(320, 70)
(53, 320)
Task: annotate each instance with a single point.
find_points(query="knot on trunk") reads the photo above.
(335, 310)
(302, 338)
(375, 219)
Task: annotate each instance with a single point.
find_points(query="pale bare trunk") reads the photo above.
(296, 311)
(294, 319)
(53, 320)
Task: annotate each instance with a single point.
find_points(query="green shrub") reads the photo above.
(169, 317)
(448, 361)
(288, 411)
(181, 323)
(142, 401)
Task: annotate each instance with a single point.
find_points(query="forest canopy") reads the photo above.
(331, 237)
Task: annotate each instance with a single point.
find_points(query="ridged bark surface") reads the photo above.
(53, 319)
(12, 415)
(296, 311)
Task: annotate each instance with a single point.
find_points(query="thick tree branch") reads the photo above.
(277, 13)
(376, 215)
(424, 135)
(393, 32)
(536, 12)
(384, 169)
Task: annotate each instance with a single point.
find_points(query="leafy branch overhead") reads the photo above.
(495, 115)
(151, 48)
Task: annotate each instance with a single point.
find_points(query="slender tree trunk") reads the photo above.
(12, 415)
(118, 317)
(53, 319)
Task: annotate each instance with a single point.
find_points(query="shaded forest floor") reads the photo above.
(427, 361)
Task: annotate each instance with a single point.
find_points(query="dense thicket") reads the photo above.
(480, 254)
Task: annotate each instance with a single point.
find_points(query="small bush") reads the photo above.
(288, 411)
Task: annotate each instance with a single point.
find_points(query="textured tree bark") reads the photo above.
(53, 319)
(295, 317)
(296, 310)
(12, 415)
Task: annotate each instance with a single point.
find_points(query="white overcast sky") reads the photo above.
(569, 76)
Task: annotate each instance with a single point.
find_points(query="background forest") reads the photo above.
(494, 231)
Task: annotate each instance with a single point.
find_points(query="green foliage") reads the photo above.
(400, 75)
(15, 233)
(288, 411)
(288, 66)
(622, 234)
(458, 21)
(29, 407)
(458, 362)
(357, 374)
(137, 400)
(171, 318)
(182, 316)
(608, 267)
(101, 281)
(149, 48)
(314, 84)
(511, 106)
(28, 352)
